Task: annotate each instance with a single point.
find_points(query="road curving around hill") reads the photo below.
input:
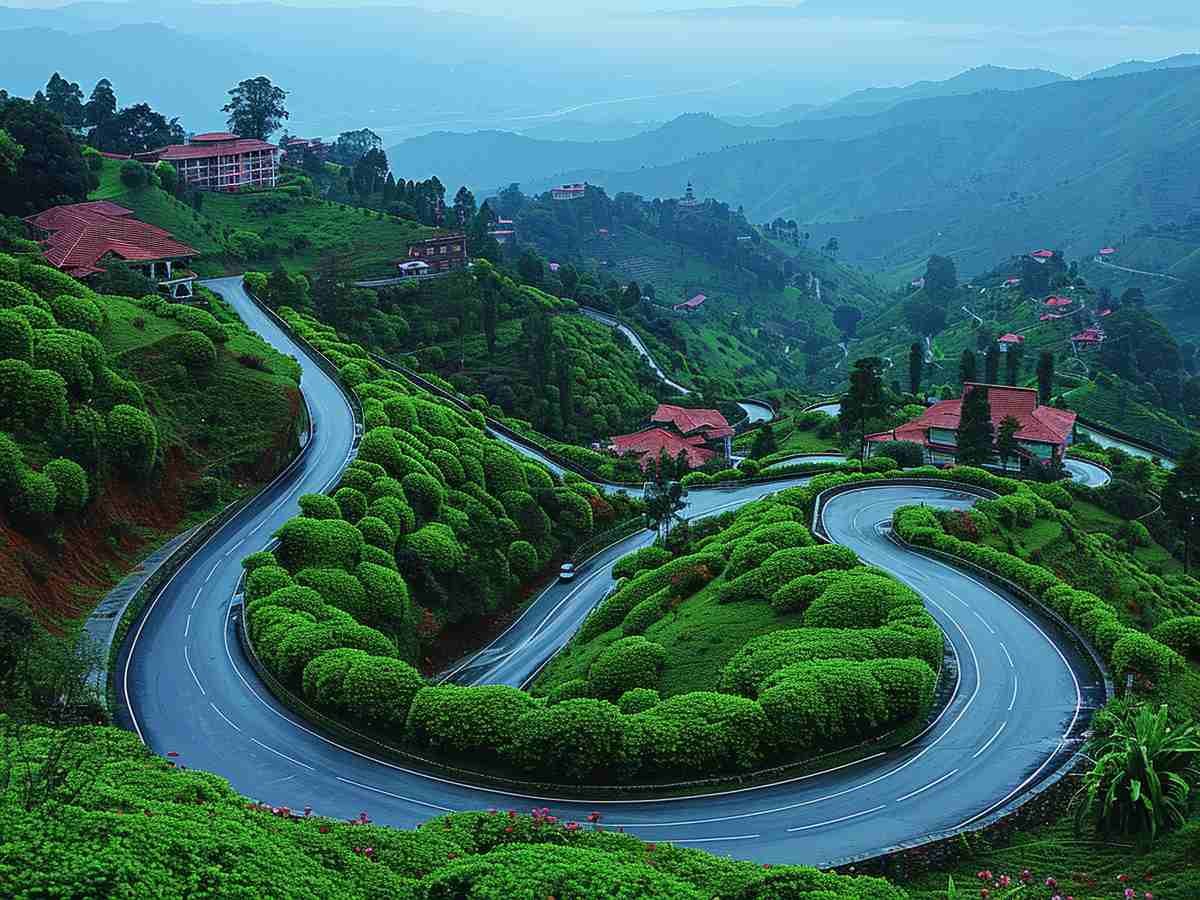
(1022, 694)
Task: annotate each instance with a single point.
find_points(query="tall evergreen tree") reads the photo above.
(968, 367)
(1006, 439)
(916, 362)
(1012, 363)
(864, 401)
(991, 363)
(464, 206)
(101, 105)
(65, 99)
(975, 432)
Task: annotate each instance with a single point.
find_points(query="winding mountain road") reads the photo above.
(1021, 695)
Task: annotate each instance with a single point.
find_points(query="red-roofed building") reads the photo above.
(1042, 255)
(503, 231)
(700, 434)
(1108, 251)
(220, 161)
(1012, 282)
(1045, 431)
(1009, 340)
(81, 237)
(1059, 301)
(690, 305)
(1089, 337)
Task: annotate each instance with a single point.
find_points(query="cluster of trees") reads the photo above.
(40, 161)
(926, 311)
(59, 390)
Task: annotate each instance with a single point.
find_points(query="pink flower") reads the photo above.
(1051, 883)
(1130, 893)
(593, 817)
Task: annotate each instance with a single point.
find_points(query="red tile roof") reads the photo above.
(650, 443)
(1059, 301)
(709, 422)
(1089, 336)
(1011, 338)
(1042, 254)
(82, 234)
(1012, 281)
(1108, 251)
(1045, 424)
(691, 304)
(231, 145)
(211, 136)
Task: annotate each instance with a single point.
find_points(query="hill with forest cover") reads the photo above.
(286, 226)
(124, 420)
(977, 177)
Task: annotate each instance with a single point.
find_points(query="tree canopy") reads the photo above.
(256, 108)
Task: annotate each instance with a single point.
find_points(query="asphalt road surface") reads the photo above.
(1020, 701)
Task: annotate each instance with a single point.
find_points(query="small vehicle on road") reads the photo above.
(566, 571)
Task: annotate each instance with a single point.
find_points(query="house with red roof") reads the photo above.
(691, 305)
(220, 161)
(443, 253)
(82, 238)
(1009, 340)
(1106, 252)
(1012, 282)
(1044, 435)
(699, 434)
(1042, 255)
(1089, 337)
(1059, 301)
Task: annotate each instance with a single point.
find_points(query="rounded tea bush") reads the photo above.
(71, 483)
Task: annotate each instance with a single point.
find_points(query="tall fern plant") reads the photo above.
(1145, 776)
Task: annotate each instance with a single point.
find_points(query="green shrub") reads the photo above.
(861, 601)
(16, 336)
(79, 313)
(131, 439)
(319, 506)
(63, 351)
(195, 319)
(351, 502)
(628, 663)
(704, 731)
(49, 282)
(35, 498)
(319, 542)
(614, 608)
(71, 483)
(395, 512)
(258, 560)
(425, 495)
(436, 546)
(36, 316)
(784, 565)
(1181, 634)
(522, 559)
(386, 599)
(640, 561)
(646, 613)
(377, 533)
(13, 295)
(581, 740)
(1140, 654)
(572, 689)
(638, 700)
(264, 580)
(192, 349)
(467, 720)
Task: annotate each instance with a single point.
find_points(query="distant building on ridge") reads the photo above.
(220, 161)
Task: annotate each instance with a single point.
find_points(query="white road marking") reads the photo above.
(1007, 654)
(1013, 701)
(284, 755)
(228, 721)
(367, 787)
(732, 837)
(187, 626)
(984, 621)
(990, 740)
(911, 794)
(211, 571)
(188, 660)
(196, 598)
(235, 546)
(865, 812)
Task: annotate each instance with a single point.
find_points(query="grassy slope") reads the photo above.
(1115, 406)
(700, 636)
(370, 244)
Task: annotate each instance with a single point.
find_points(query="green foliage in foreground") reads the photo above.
(125, 823)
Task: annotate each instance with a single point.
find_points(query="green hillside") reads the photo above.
(262, 229)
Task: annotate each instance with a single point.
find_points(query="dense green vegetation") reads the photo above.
(286, 226)
(124, 822)
(105, 398)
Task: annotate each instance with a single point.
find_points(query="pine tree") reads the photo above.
(991, 363)
(1045, 376)
(975, 432)
(864, 401)
(916, 362)
(968, 367)
(1006, 439)
(1012, 363)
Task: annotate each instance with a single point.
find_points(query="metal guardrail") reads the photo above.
(1119, 435)
(818, 520)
